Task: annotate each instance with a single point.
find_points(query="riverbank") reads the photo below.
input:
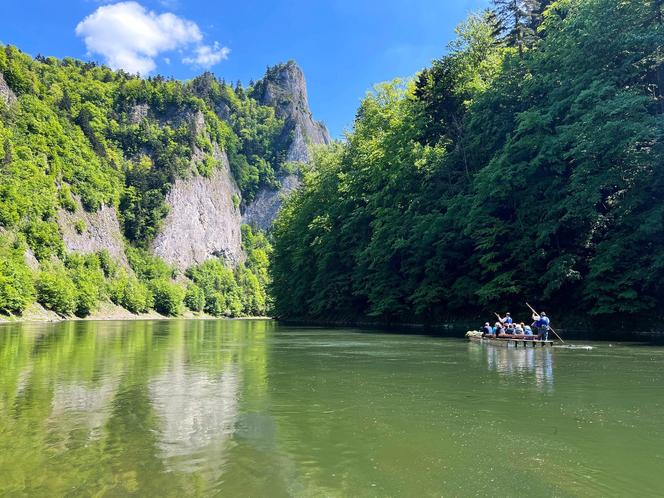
(107, 311)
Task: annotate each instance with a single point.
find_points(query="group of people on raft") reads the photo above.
(507, 328)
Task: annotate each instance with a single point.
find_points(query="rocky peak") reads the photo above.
(285, 89)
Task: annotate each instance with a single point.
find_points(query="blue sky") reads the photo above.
(343, 46)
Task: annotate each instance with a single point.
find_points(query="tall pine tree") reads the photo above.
(517, 21)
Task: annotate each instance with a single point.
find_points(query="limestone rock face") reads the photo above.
(203, 221)
(262, 212)
(99, 230)
(139, 112)
(6, 94)
(285, 89)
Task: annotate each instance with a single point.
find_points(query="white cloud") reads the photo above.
(207, 56)
(130, 37)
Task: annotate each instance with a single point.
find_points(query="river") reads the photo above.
(252, 408)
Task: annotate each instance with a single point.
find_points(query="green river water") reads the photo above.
(251, 408)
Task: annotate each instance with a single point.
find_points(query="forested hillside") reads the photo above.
(92, 164)
(526, 163)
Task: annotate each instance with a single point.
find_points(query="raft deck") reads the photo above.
(507, 342)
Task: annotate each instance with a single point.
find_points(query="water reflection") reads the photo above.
(127, 407)
(198, 411)
(527, 365)
(237, 408)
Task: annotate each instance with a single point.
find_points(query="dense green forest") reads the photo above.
(76, 135)
(525, 163)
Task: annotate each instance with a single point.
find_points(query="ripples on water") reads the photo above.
(249, 408)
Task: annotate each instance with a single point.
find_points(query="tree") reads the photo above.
(517, 21)
(500, 173)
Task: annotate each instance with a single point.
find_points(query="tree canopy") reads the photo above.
(515, 166)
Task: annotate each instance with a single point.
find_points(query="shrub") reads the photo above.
(80, 226)
(66, 199)
(16, 287)
(222, 294)
(234, 304)
(88, 277)
(194, 299)
(168, 297)
(108, 265)
(44, 239)
(252, 293)
(148, 267)
(128, 292)
(206, 167)
(215, 304)
(56, 291)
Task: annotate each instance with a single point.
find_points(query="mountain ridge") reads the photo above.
(172, 165)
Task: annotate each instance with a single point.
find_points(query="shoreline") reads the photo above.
(108, 312)
(451, 328)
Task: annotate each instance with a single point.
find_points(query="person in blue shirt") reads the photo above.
(507, 320)
(487, 329)
(498, 328)
(542, 323)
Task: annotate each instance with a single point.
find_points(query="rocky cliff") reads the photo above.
(159, 164)
(203, 221)
(6, 94)
(263, 210)
(151, 170)
(89, 232)
(285, 89)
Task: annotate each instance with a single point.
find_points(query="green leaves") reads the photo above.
(222, 291)
(127, 291)
(56, 291)
(502, 173)
(16, 282)
(168, 297)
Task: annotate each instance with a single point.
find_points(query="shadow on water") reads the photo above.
(457, 329)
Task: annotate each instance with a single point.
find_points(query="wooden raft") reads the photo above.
(506, 342)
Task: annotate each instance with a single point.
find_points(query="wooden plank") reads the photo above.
(512, 343)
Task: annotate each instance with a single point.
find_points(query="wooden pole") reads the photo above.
(552, 330)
